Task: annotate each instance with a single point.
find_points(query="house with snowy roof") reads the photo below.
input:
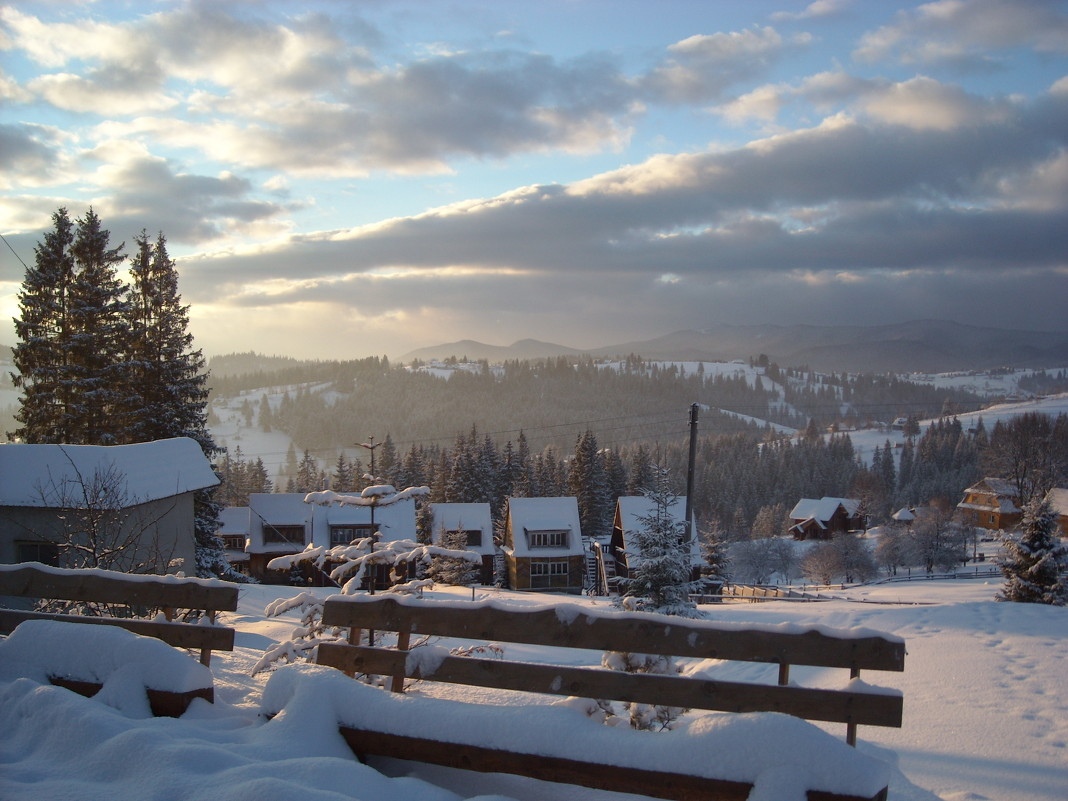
(543, 548)
(474, 522)
(632, 515)
(992, 503)
(135, 500)
(233, 531)
(282, 524)
(823, 518)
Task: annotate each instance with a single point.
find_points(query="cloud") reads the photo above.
(30, 155)
(815, 10)
(701, 68)
(967, 33)
(845, 198)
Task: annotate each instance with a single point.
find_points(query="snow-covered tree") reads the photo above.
(450, 569)
(658, 556)
(349, 565)
(1034, 559)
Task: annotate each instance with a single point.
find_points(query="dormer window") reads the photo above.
(547, 539)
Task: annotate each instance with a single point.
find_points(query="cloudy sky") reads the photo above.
(342, 179)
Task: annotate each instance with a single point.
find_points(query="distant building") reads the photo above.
(282, 524)
(822, 519)
(992, 503)
(543, 547)
(631, 511)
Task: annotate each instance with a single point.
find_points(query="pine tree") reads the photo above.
(44, 331)
(1034, 560)
(98, 370)
(659, 557)
(587, 481)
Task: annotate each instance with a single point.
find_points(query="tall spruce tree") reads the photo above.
(98, 368)
(588, 482)
(44, 331)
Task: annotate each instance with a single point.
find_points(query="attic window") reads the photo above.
(472, 536)
(289, 535)
(547, 539)
(344, 535)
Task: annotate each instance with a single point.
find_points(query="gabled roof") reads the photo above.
(995, 486)
(234, 520)
(544, 514)
(1058, 500)
(632, 508)
(45, 476)
(822, 510)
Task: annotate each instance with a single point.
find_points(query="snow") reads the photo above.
(149, 470)
(985, 714)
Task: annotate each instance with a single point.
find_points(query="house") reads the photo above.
(992, 503)
(1058, 501)
(822, 519)
(130, 505)
(281, 524)
(631, 512)
(543, 547)
(476, 524)
(233, 531)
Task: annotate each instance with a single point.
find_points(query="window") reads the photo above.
(548, 573)
(44, 552)
(344, 535)
(233, 542)
(288, 535)
(546, 539)
(472, 536)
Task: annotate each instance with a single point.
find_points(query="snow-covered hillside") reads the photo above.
(985, 717)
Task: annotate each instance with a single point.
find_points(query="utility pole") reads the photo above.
(690, 469)
(371, 445)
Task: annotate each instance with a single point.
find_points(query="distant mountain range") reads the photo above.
(924, 346)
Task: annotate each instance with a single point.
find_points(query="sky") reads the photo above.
(338, 180)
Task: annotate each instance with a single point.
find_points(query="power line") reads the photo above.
(17, 256)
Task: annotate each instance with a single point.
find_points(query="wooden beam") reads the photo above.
(835, 706)
(118, 588)
(677, 637)
(163, 703)
(658, 784)
(180, 635)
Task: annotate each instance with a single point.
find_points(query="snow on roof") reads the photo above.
(998, 486)
(234, 520)
(823, 509)
(1058, 500)
(904, 515)
(544, 514)
(634, 507)
(41, 475)
(468, 516)
(280, 508)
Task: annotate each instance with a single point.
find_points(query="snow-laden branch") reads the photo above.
(375, 495)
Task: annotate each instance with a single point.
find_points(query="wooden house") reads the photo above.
(543, 548)
(823, 518)
(281, 524)
(474, 522)
(992, 503)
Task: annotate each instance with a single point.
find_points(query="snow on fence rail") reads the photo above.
(148, 592)
(578, 627)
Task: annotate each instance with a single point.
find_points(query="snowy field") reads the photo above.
(986, 716)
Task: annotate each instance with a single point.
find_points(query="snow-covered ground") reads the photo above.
(985, 719)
